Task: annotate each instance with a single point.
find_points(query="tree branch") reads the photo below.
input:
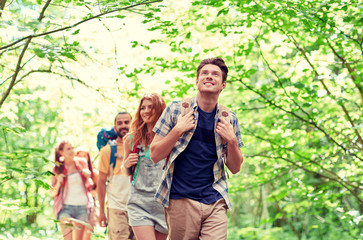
(41, 16)
(310, 121)
(333, 176)
(2, 6)
(343, 184)
(17, 69)
(279, 81)
(327, 89)
(77, 23)
(351, 71)
(302, 50)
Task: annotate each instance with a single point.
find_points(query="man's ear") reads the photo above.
(224, 84)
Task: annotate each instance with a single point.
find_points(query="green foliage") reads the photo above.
(295, 82)
(24, 164)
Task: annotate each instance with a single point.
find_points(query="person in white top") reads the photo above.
(72, 198)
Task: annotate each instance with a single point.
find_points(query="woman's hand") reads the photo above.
(131, 160)
(58, 184)
(86, 172)
(60, 179)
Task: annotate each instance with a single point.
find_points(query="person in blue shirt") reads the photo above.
(199, 145)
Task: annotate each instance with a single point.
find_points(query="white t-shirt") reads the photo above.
(76, 194)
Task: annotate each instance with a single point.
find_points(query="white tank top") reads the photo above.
(76, 194)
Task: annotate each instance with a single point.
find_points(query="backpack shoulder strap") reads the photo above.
(184, 108)
(113, 146)
(185, 105)
(225, 113)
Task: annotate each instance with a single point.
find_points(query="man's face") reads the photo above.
(210, 79)
(122, 124)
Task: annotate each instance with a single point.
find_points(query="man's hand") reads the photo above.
(102, 219)
(186, 122)
(225, 130)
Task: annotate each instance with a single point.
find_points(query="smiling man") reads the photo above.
(115, 185)
(199, 145)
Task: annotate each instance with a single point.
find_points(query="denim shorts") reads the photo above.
(142, 207)
(79, 212)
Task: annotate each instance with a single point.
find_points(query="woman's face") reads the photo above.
(82, 154)
(68, 151)
(146, 111)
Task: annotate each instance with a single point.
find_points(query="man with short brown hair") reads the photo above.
(199, 144)
(118, 184)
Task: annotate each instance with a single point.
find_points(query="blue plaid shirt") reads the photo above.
(165, 124)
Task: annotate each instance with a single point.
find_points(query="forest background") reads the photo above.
(295, 82)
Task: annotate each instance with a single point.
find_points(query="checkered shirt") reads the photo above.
(165, 124)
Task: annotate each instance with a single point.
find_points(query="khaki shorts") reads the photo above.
(189, 219)
(118, 225)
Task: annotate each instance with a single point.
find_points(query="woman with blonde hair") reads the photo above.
(146, 216)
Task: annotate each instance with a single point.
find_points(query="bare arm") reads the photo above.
(234, 154)
(101, 191)
(59, 179)
(161, 147)
(95, 176)
(234, 157)
(86, 172)
(130, 158)
(83, 165)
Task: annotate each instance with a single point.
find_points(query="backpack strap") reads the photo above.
(113, 146)
(185, 105)
(184, 109)
(223, 112)
(135, 149)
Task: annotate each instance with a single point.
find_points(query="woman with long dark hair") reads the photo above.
(146, 216)
(83, 152)
(72, 198)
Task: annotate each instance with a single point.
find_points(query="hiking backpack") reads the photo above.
(108, 136)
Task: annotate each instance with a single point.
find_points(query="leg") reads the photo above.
(160, 236)
(144, 232)
(66, 225)
(214, 225)
(118, 224)
(77, 233)
(66, 230)
(82, 227)
(183, 217)
(87, 233)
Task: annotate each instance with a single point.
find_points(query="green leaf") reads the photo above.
(299, 85)
(39, 53)
(76, 32)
